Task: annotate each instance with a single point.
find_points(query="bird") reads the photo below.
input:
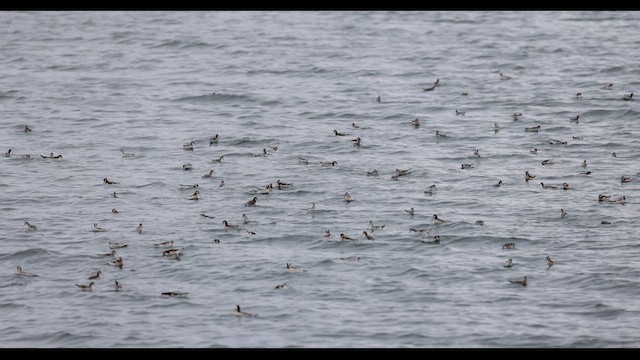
(336, 133)
(114, 195)
(557, 142)
(508, 263)
(207, 216)
(291, 268)
(139, 228)
(625, 179)
(347, 197)
(228, 226)
(431, 240)
(534, 151)
(607, 87)
(605, 222)
(221, 183)
(216, 241)
(251, 232)
(194, 196)
(252, 202)
(522, 282)
(239, 312)
(479, 222)
(429, 88)
(550, 261)
(460, 113)
(51, 156)
(516, 116)
(528, 176)
(378, 99)
(565, 186)
(467, 166)
(172, 253)
(409, 211)
(96, 276)
(375, 227)
(367, 236)
(109, 182)
(357, 142)
(437, 220)
(312, 208)
(552, 187)
(498, 184)
(343, 237)
(175, 294)
(114, 211)
(208, 175)
(20, 272)
(245, 218)
(627, 97)
(30, 227)
(563, 213)
(112, 254)
(602, 197)
(281, 286)
(532, 129)
(578, 95)
(126, 154)
(403, 172)
(415, 122)
(7, 154)
(213, 140)
(187, 167)
(614, 155)
(574, 119)
(86, 287)
(440, 135)
(117, 286)
(328, 163)
(476, 153)
(465, 94)
(511, 246)
(96, 228)
(547, 162)
(27, 128)
(429, 190)
(165, 244)
(281, 185)
(327, 234)
(351, 258)
(496, 127)
(189, 186)
(504, 77)
(218, 160)
(117, 245)
(584, 163)
(189, 145)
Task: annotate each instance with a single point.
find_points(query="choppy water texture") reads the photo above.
(91, 83)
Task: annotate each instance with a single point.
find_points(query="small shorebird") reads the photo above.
(175, 294)
(187, 166)
(208, 175)
(117, 286)
(607, 87)
(437, 220)
(409, 211)
(467, 166)
(511, 246)
(117, 245)
(460, 113)
(126, 154)
(431, 240)
(109, 182)
(252, 202)
(239, 312)
(550, 261)
(96, 276)
(19, 272)
(139, 228)
(245, 218)
(574, 119)
(86, 287)
(114, 211)
(375, 227)
(328, 163)
(516, 116)
(336, 133)
(291, 269)
(343, 237)
(189, 145)
(563, 213)
(228, 226)
(281, 286)
(214, 140)
(440, 135)
(508, 263)
(194, 196)
(347, 197)
(532, 129)
(367, 236)
(522, 282)
(96, 228)
(30, 227)
(415, 122)
(498, 184)
(628, 96)
(165, 244)
(528, 176)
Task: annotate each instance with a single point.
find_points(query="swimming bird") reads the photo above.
(373, 172)
(357, 142)
(504, 77)
(565, 186)
(283, 285)
(467, 166)
(229, 226)
(347, 197)
(109, 182)
(208, 175)
(510, 246)
(522, 282)
(375, 227)
(498, 184)
(605, 222)
(312, 208)
(563, 213)
(602, 197)
(245, 218)
(578, 95)
(213, 140)
(440, 135)
(409, 211)
(165, 244)
(577, 138)
(415, 122)
(114, 211)
(532, 129)
(627, 97)
(242, 313)
(216, 241)
(327, 234)
(303, 159)
(534, 151)
(189, 145)
(114, 194)
(96, 276)
(96, 228)
(508, 263)
(367, 236)
(343, 237)
(550, 261)
(219, 159)
(117, 286)
(7, 154)
(607, 87)
(528, 176)
(465, 94)
(557, 142)
(460, 113)
(431, 240)
(30, 227)
(282, 185)
(516, 116)
(27, 128)
(126, 154)
(252, 202)
(187, 166)
(194, 196)
(429, 88)
(117, 245)
(20, 272)
(189, 186)
(172, 253)
(574, 119)
(547, 162)
(336, 133)
(251, 232)
(614, 155)
(291, 268)
(175, 294)
(86, 287)
(221, 183)
(378, 99)
(437, 220)
(496, 127)
(586, 173)
(625, 179)
(584, 163)
(112, 254)
(51, 156)
(476, 153)
(403, 172)
(351, 258)
(429, 190)
(553, 187)
(479, 222)
(328, 163)
(621, 200)
(207, 216)
(139, 228)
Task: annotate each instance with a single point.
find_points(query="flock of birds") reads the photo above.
(172, 252)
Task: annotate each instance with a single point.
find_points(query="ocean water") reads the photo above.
(89, 84)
